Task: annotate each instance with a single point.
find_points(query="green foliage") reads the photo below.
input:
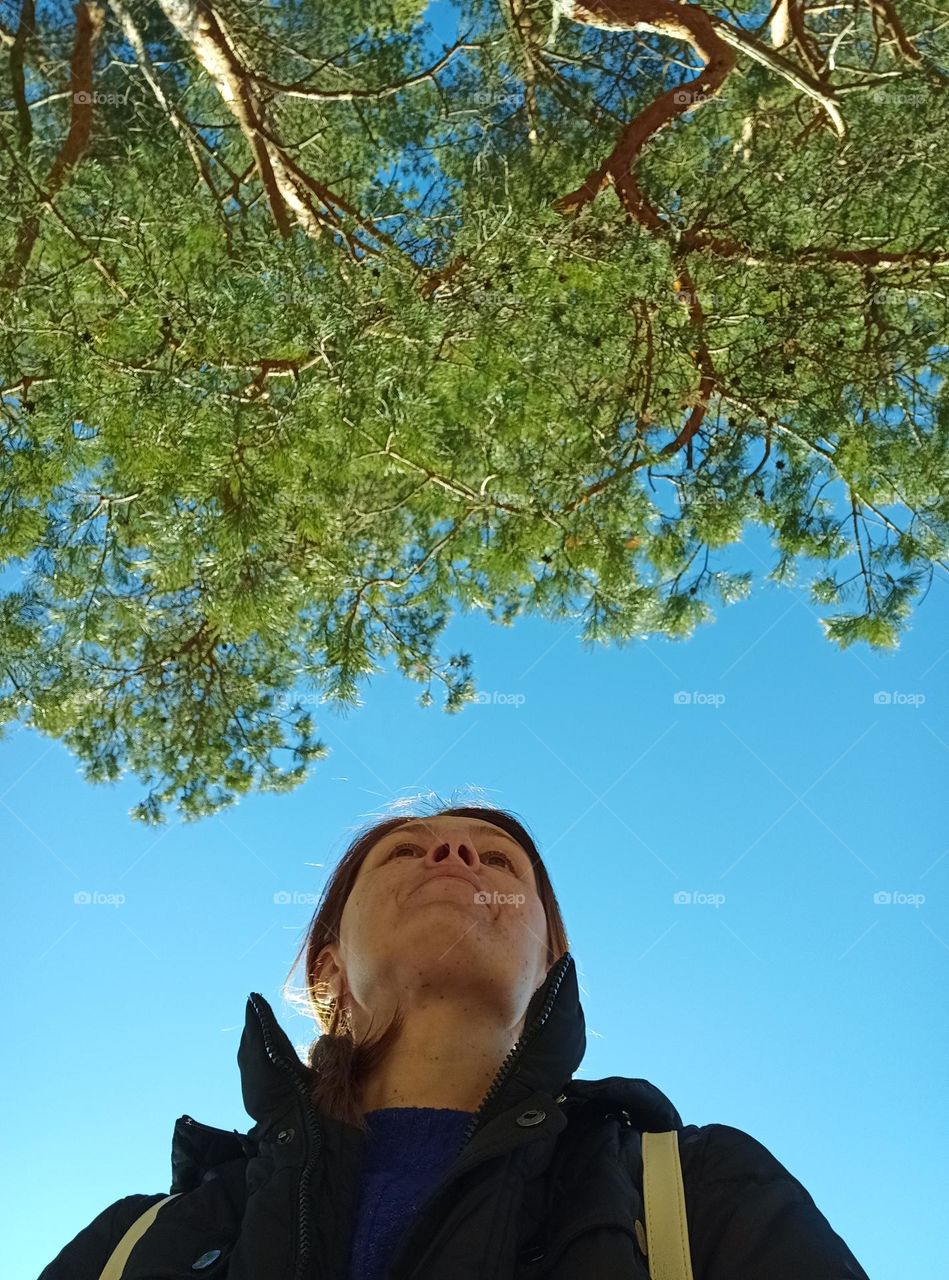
(239, 461)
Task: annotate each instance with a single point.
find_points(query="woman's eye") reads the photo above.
(402, 848)
(501, 855)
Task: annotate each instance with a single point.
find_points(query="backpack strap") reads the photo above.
(116, 1265)
(667, 1229)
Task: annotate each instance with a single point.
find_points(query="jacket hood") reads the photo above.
(548, 1053)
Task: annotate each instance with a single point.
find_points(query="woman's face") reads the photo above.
(442, 908)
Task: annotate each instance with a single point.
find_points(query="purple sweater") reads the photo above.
(409, 1150)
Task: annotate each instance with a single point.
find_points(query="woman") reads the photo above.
(436, 1132)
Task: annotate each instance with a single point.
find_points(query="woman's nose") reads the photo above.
(449, 849)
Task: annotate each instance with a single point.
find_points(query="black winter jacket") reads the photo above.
(547, 1185)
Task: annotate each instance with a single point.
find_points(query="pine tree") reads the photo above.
(310, 337)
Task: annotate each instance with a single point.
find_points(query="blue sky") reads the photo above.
(781, 797)
(782, 999)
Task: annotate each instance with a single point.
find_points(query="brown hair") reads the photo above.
(337, 1065)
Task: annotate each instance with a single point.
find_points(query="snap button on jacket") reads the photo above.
(548, 1184)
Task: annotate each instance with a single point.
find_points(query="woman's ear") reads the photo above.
(330, 974)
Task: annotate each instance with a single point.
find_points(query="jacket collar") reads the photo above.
(554, 1043)
(549, 1052)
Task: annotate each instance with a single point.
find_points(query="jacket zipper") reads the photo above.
(313, 1128)
(507, 1065)
(396, 1262)
(313, 1124)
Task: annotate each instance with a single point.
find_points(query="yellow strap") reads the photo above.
(667, 1230)
(116, 1264)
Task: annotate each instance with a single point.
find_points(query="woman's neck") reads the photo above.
(444, 1057)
